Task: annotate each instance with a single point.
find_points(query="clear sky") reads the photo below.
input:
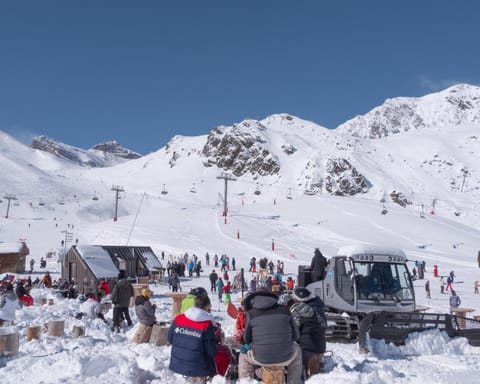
(140, 72)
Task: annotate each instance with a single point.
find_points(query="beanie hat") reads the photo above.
(147, 293)
(199, 291)
(121, 274)
(302, 294)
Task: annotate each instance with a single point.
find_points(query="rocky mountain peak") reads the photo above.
(116, 149)
(240, 149)
(101, 155)
(459, 104)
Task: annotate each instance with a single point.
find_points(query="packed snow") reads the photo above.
(183, 220)
(295, 227)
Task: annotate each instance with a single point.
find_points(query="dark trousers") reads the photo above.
(117, 314)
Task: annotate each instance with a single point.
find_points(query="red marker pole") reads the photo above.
(238, 234)
(273, 245)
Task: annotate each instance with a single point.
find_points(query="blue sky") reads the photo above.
(140, 72)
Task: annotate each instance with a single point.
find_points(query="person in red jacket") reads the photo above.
(223, 356)
(227, 290)
(104, 287)
(290, 283)
(239, 326)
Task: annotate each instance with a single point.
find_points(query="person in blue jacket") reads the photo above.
(192, 336)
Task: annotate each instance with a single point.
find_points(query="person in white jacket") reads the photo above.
(8, 305)
(90, 308)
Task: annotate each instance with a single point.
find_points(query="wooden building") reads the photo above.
(13, 257)
(87, 264)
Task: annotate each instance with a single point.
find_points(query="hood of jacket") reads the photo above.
(260, 300)
(198, 315)
(123, 282)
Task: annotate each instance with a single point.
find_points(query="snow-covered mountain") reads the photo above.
(435, 166)
(457, 105)
(100, 155)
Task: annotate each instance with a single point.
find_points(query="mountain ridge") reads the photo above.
(100, 155)
(283, 155)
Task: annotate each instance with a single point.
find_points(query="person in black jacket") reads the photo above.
(121, 294)
(213, 281)
(270, 337)
(311, 340)
(302, 294)
(318, 265)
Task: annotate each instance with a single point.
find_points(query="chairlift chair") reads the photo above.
(192, 189)
(289, 193)
(164, 190)
(309, 191)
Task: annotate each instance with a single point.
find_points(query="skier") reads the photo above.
(213, 281)
(442, 284)
(454, 300)
(449, 284)
(427, 289)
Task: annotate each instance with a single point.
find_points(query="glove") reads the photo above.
(245, 348)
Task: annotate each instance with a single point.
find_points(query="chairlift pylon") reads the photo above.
(384, 210)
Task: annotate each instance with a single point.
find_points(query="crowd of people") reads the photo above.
(279, 327)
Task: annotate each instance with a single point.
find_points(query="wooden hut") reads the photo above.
(13, 257)
(136, 261)
(87, 264)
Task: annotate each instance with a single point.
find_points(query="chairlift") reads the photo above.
(422, 214)
(164, 190)
(309, 191)
(41, 203)
(61, 202)
(95, 198)
(257, 190)
(192, 189)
